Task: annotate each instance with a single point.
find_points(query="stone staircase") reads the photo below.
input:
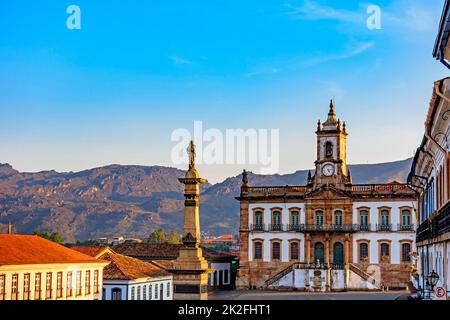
(364, 275)
(269, 283)
(283, 273)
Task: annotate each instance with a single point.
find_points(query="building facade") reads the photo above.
(32, 268)
(430, 173)
(329, 234)
(222, 274)
(126, 278)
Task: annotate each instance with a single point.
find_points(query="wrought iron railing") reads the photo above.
(364, 227)
(384, 227)
(276, 227)
(436, 227)
(258, 227)
(405, 227)
(331, 227)
(296, 227)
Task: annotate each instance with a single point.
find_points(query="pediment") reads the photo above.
(327, 192)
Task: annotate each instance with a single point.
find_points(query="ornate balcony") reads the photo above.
(405, 227)
(296, 227)
(331, 228)
(258, 227)
(384, 227)
(276, 227)
(436, 227)
(364, 227)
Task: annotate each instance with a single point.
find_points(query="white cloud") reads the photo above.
(261, 71)
(311, 10)
(350, 53)
(177, 60)
(404, 14)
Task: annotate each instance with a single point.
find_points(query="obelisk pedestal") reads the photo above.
(190, 270)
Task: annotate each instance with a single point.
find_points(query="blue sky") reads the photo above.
(114, 91)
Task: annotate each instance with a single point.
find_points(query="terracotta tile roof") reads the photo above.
(164, 264)
(26, 249)
(150, 251)
(93, 251)
(126, 268)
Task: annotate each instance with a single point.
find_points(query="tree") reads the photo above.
(173, 238)
(158, 236)
(54, 236)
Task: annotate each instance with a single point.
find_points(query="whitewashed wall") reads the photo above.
(225, 266)
(373, 237)
(284, 214)
(284, 236)
(374, 213)
(127, 287)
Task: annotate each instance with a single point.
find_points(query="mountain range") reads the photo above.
(132, 201)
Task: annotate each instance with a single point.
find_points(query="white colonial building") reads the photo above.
(329, 234)
(33, 268)
(430, 173)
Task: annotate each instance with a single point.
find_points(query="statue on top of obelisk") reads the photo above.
(192, 155)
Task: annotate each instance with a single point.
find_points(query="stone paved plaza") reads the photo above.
(276, 295)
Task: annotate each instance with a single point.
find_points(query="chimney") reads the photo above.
(9, 228)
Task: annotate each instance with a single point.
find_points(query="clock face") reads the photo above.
(328, 170)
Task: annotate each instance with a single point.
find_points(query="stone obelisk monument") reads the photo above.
(190, 270)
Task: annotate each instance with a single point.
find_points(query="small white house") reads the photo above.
(127, 278)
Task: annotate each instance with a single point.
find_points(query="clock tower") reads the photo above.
(331, 163)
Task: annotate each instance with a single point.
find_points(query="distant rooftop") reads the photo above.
(165, 251)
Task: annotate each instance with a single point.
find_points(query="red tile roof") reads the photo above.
(93, 251)
(26, 249)
(165, 251)
(127, 268)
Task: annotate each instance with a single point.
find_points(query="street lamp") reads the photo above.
(432, 280)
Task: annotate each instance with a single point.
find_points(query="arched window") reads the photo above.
(364, 220)
(258, 218)
(139, 293)
(150, 292)
(406, 250)
(258, 247)
(294, 248)
(384, 217)
(406, 220)
(338, 217)
(319, 218)
(156, 291)
(363, 252)
(385, 253)
(133, 289)
(276, 220)
(116, 294)
(276, 250)
(328, 150)
(144, 292)
(295, 218)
